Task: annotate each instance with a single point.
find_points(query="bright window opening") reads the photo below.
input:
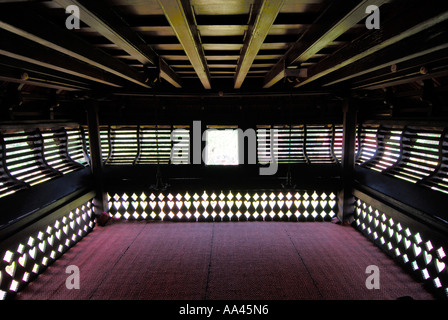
(222, 147)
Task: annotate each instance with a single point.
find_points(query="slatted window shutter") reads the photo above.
(56, 151)
(77, 146)
(438, 180)
(415, 154)
(105, 143)
(145, 145)
(419, 156)
(24, 158)
(8, 183)
(300, 143)
(286, 144)
(318, 143)
(368, 143)
(388, 149)
(33, 157)
(155, 145)
(124, 145)
(338, 141)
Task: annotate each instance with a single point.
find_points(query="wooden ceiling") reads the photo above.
(224, 47)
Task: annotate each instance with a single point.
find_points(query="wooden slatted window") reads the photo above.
(439, 179)
(143, 145)
(318, 143)
(367, 140)
(56, 154)
(420, 155)
(287, 144)
(77, 146)
(24, 158)
(300, 143)
(416, 154)
(125, 145)
(388, 149)
(338, 141)
(32, 157)
(155, 145)
(105, 143)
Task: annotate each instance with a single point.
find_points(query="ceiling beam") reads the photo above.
(18, 48)
(412, 21)
(338, 18)
(427, 42)
(432, 63)
(63, 41)
(181, 18)
(11, 75)
(264, 13)
(43, 73)
(110, 25)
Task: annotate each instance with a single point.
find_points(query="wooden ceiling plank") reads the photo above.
(181, 18)
(257, 33)
(109, 24)
(337, 19)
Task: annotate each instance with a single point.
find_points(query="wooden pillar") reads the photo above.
(96, 163)
(346, 200)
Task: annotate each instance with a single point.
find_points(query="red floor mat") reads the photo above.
(238, 261)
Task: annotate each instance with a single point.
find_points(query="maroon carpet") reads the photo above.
(243, 260)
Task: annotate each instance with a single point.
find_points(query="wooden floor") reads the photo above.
(221, 261)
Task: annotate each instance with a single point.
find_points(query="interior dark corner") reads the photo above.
(223, 149)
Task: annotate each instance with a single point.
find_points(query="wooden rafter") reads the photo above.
(18, 48)
(413, 21)
(181, 18)
(109, 24)
(265, 12)
(425, 43)
(339, 17)
(60, 39)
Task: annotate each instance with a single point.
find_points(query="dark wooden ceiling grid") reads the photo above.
(222, 48)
